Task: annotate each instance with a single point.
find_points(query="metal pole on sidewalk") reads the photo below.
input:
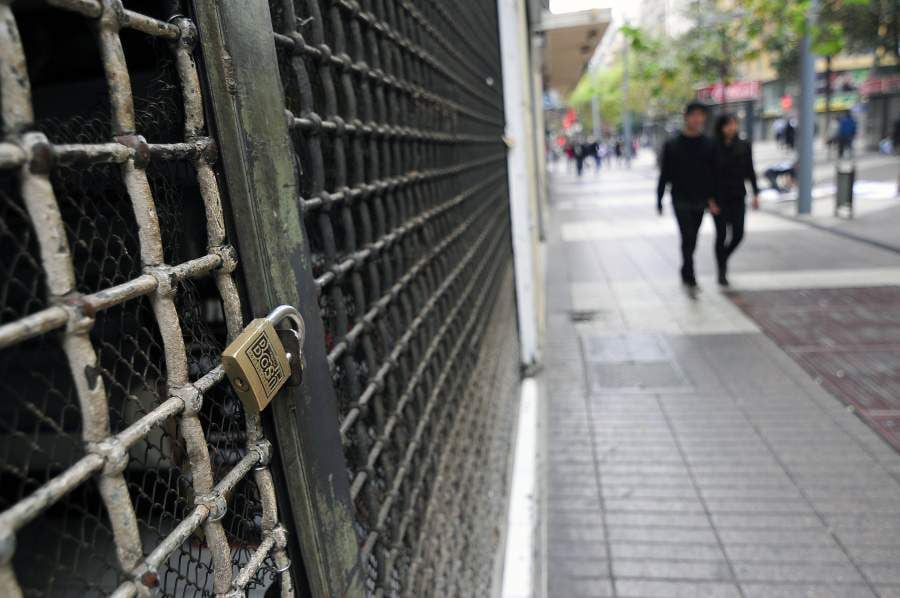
(626, 113)
(595, 116)
(807, 115)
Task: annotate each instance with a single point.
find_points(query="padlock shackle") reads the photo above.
(288, 312)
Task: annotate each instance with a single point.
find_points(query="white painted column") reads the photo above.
(514, 51)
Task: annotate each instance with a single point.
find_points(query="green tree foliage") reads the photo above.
(868, 26)
(658, 83)
(717, 43)
(860, 26)
(606, 85)
(664, 72)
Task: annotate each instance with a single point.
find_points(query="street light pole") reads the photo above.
(595, 116)
(626, 113)
(807, 115)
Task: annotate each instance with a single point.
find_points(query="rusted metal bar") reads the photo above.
(149, 25)
(25, 511)
(315, 123)
(75, 308)
(15, 87)
(33, 325)
(11, 155)
(88, 8)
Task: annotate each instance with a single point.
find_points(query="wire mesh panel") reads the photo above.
(128, 465)
(396, 117)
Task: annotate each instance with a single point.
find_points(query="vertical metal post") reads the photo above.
(595, 116)
(807, 116)
(249, 110)
(626, 113)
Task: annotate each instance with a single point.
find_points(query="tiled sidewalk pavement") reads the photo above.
(684, 453)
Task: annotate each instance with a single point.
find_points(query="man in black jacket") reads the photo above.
(686, 165)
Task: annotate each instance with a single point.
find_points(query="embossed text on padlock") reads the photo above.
(256, 362)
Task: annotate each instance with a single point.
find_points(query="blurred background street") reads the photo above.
(716, 446)
(738, 440)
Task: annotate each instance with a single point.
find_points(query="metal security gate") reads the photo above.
(169, 170)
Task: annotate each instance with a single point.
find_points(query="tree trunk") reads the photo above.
(826, 129)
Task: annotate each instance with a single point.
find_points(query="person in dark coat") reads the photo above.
(593, 150)
(732, 169)
(846, 134)
(578, 149)
(790, 133)
(685, 166)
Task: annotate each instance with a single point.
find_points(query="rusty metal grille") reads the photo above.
(396, 116)
(128, 465)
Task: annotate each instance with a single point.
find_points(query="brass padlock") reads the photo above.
(256, 362)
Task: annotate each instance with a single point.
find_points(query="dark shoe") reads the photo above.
(689, 281)
(723, 271)
(691, 288)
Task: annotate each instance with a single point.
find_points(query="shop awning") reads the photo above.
(569, 42)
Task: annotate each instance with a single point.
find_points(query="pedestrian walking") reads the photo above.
(569, 151)
(732, 169)
(594, 152)
(778, 126)
(618, 151)
(790, 134)
(846, 134)
(686, 165)
(578, 150)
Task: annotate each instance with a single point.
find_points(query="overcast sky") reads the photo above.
(617, 5)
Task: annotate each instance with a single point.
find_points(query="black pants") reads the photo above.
(689, 221)
(729, 231)
(845, 144)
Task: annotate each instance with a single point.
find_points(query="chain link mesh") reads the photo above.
(128, 464)
(396, 115)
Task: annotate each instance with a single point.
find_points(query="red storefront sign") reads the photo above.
(880, 85)
(739, 91)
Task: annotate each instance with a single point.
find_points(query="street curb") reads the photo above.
(519, 560)
(834, 231)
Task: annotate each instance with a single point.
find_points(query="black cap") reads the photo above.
(695, 105)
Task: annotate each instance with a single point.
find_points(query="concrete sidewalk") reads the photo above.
(684, 452)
